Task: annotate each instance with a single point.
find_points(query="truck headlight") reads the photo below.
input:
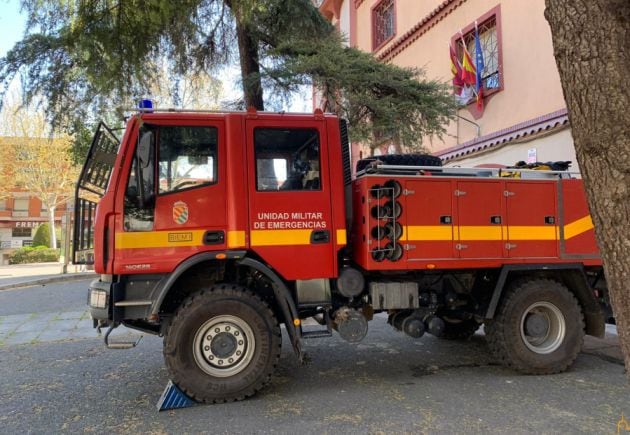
(98, 298)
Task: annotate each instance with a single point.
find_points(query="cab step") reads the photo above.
(119, 344)
(316, 334)
(325, 321)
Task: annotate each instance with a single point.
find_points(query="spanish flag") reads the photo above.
(456, 69)
(469, 73)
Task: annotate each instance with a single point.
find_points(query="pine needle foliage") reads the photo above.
(84, 56)
(381, 101)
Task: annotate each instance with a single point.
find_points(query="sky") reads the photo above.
(12, 24)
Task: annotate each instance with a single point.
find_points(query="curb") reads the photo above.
(52, 279)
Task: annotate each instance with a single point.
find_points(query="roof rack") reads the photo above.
(443, 171)
(176, 110)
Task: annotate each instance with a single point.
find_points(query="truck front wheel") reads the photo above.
(538, 329)
(222, 345)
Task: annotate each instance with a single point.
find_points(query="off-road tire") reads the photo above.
(401, 160)
(503, 333)
(460, 330)
(194, 312)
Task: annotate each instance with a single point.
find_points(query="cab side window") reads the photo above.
(287, 159)
(167, 159)
(187, 158)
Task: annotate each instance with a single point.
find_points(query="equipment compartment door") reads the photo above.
(290, 197)
(429, 219)
(479, 232)
(531, 219)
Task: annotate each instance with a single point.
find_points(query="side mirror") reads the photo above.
(198, 160)
(144, 149)
(132, 193)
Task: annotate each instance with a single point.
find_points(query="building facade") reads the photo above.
(521, 115)
(20, 216)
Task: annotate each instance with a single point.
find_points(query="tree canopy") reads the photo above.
(83, 56)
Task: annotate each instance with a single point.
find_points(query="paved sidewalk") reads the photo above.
(24, 275)
(37, 328)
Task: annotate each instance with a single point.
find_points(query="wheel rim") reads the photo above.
(224, 346)
(543, 327)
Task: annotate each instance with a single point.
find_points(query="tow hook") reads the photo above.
(119, 344)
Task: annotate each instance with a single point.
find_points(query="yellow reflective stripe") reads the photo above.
(527, 232)
(159, 239)
(280, 237)
(235, 239)
(578, 227)
(488, 232)
(341, 237)
(429, 232)
(485, 232)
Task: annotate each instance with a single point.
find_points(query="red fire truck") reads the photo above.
(213, 229)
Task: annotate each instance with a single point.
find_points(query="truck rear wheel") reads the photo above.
(222, 345)
(538, 329)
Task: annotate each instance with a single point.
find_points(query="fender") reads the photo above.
(285, 302)
(165, 285)
(574, 277)
(283, 296)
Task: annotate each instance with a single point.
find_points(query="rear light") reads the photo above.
(98, 298)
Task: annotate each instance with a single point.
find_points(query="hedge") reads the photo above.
(38, 254)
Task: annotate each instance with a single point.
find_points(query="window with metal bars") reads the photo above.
(488, 39)
(491, 77)
(383, 23)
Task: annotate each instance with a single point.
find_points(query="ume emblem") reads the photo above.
(180, 212)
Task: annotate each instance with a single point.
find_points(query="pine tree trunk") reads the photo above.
(249, 59)
(51, 222)
(591, 40)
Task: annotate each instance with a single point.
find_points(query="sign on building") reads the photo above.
(532, 155)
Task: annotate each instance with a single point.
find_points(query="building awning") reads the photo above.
(551, 121)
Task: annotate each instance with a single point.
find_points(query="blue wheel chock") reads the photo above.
(174, 398)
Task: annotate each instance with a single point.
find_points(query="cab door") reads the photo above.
(290, 216)
(174, 204)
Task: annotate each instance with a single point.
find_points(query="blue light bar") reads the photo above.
(145, 105)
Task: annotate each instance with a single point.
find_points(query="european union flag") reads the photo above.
(479, 66)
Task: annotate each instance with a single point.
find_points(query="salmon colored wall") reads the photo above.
(530, 77)
(408, 13)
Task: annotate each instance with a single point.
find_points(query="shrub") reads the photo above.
(42, 235)
(38, 254)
